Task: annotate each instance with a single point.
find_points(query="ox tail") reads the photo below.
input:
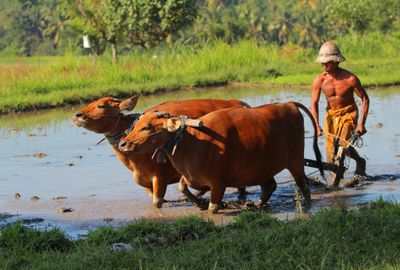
(317, 152)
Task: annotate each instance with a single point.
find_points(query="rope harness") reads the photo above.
(114, 139)
(354, 141)
(170, 146)
(149, 135)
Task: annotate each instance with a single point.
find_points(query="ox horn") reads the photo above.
(174, 123)
(193, 122)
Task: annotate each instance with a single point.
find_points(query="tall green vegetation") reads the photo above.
(49, 26)
(49, 82)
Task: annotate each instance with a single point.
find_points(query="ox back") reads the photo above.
(195, 108)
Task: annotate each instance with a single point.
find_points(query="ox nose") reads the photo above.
(79, 119)
(122, 145)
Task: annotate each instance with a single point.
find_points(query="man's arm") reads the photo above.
(316, 93)
(360, 91)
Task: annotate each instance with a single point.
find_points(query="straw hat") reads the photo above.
(329, 51)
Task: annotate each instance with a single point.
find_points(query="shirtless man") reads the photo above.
(341, 119)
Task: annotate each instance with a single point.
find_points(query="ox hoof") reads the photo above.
(201, 203)
(356, 181)
(158, 203)
(213, 207)
(261, 203)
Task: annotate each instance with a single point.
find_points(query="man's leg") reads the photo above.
(348, 130)
(360, 162)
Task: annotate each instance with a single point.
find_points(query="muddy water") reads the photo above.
(47, 165)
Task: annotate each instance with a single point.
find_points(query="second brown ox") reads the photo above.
(112, 117)
(231, 147)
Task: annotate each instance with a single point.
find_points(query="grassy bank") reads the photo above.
(35, 83)
(367, 238)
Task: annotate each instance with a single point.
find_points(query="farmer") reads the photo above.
(339, 86)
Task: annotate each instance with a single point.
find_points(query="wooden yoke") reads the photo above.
(193, 122)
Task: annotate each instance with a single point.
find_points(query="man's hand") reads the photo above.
(361, 128)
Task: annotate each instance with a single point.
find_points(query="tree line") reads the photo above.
(52, 27)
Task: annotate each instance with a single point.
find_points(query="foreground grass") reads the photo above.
(367, 238)
(35, 83)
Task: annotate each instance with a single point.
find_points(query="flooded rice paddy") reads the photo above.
(52, 174)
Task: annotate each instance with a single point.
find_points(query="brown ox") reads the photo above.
(111, 117)
(231, 147)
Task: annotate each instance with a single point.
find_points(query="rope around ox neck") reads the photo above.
(149, 135)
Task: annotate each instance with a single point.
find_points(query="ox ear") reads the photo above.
(173, 124)
(128, 104)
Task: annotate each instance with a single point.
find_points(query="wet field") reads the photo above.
(53, 173)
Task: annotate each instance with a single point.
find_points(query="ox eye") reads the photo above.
(101, 106)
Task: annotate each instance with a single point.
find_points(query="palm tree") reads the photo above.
(281, 27)
(308, 31)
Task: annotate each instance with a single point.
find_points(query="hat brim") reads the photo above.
(326, 59)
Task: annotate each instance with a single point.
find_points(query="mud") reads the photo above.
(79, 186)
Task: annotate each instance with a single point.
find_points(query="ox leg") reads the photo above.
(242, 194)
(266, 191)
(194, 199)
(297, 171)
(217, 193)
(159, 191)
(302, 183)
(200, 193)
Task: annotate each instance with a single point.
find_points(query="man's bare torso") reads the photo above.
(338, 88)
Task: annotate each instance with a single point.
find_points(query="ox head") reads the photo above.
(154, 130)
(149, 133)
(102, 115)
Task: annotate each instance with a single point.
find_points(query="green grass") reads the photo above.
(43, 82)
(366, 238)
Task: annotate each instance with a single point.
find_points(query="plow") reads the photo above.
(337, 167)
